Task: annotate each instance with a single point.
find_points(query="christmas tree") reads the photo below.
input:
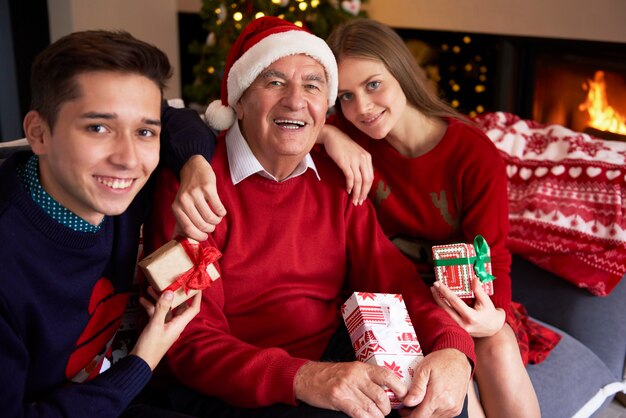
(224, 20)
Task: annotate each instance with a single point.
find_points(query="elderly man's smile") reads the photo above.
(290, 123)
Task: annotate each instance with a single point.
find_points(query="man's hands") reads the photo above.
(439, 385)
(357, 389)
(482, 320)
(164, 326)
(354, 161)
(354, 388)
(197, 207)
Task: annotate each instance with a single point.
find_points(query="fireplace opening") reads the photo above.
(560, 81)
(605, 113)
(580, 92)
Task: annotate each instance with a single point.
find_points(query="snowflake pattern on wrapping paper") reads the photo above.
(580, 143)
(395, 368)
(377, 348)
(538, 142)
(367, 295)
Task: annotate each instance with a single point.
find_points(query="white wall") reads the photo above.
(189, 6)
(597, 20)
(153, 21)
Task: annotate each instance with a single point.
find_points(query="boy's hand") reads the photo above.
(197, 207)
(164, 326)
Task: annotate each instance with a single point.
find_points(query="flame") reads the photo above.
(601, 115)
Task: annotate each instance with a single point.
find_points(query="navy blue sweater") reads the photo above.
(62, 296)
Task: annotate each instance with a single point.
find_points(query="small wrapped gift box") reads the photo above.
(183, 266)
(457, 264)
(382, 333)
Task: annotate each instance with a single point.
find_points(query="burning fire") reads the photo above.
(601, 115)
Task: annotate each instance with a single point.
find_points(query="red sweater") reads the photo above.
(292, 252)
(450, 194)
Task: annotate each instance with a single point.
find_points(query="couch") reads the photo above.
(567, 210)
(586, 369)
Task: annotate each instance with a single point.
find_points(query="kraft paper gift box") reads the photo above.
(183, 266)
(382, 333)
(457, 264)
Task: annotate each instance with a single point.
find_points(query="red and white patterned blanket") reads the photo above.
(567, 197)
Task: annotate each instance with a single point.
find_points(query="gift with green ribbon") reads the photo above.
(457, 264)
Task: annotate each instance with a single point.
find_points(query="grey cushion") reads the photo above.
(591, 354)
(597, 322)
(570, 376)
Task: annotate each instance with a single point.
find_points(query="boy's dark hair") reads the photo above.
(54, 71)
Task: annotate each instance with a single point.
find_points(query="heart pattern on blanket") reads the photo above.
(557, 170)
(593, 171)
(574, 172)
(525, 173)
(612, 174)
(511, 170)
(568, 220)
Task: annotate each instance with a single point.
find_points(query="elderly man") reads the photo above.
(293, 244)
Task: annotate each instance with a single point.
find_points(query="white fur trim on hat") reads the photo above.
(218, 116)
(274, 47)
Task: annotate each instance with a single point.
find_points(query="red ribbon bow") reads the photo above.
(196, 277)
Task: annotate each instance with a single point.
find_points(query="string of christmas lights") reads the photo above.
(466, 75)
(461, 67)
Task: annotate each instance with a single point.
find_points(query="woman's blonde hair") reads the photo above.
(369, 39)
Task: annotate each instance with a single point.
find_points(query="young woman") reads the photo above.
(437, 180)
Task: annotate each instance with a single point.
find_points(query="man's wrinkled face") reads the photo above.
(284, 109)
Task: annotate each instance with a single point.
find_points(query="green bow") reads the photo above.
(482, 256)
(481, 248)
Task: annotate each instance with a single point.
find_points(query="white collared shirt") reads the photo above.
(243, 163)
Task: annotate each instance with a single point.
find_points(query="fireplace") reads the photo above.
(549, 80)
(583, 89)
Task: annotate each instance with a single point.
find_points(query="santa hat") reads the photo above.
(262, 42)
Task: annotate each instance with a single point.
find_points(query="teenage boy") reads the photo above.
(70, 217)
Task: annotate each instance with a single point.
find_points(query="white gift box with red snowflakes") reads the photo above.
(382, 333)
